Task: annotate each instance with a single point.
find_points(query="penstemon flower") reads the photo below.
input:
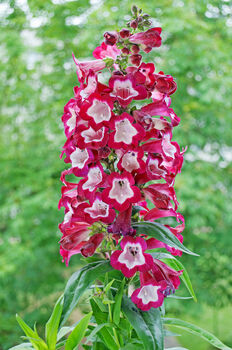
(120, 144)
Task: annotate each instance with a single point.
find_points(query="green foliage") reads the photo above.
(37, 76)
(210, 338)
(161, 233)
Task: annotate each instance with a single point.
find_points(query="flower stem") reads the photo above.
(114, 330)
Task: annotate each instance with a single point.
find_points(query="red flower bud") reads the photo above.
(117, 72)
(135, 59)
(134, 24)
(147, 49)
(125, 51)
(135, 48)
(124, 33)
(111, 38)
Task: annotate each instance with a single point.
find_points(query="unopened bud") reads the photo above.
(135, 59)
(125, 51)
(124, 33)
(111, 38)
(135, 48)
(134, 24)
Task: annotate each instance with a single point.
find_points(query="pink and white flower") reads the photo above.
(98, 210)
(104, 51)
(131, 161)
(131, 258)
(124, 89)
(126, 133)
(94, 180)
(98, 110)
(87, 137)
(149, 295)
(121, 191)
(83, 68)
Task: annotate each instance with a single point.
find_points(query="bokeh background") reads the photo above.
(37, 76)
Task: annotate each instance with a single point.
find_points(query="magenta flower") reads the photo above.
(104, 51)
(83, 68)
(121, 193)
(124, 89)
(149, 39)
(87, 137)
(131, 161)
(126, 133)
(97, 210)
(98, 110)
(131, 258)
(149, 295)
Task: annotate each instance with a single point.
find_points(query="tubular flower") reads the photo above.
(132, 257)
(123, 162)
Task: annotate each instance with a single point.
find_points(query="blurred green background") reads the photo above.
(37, 78)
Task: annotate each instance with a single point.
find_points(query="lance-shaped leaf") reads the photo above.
(52, 325)
(32, 335)
(191, 328)
(78, 333)
(118, 302)
(79, 282)
(176, 265)
(161, 233)
(147, 324)
(104, 333)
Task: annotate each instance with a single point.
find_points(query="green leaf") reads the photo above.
(210, 338)
(90, 338)
(131, 346)
(79, 282)
(64, 331)
(23, 346)
(52, 325)
(104, 333)
(108, 286)
(176, 349)
(118, 302)
(162, 233)
(177, 265)
(32, 336)
(148, 325)
(78, 333)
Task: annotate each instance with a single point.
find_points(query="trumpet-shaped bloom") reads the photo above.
(124, 89)
(126, 133)
(149, 295)
(121, 191)
(132, 257)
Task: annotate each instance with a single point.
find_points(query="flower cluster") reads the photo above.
(122, 155)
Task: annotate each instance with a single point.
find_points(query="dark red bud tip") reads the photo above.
(125, 51)
(135, 59)
(111, 38)
(148, 49)
(135, 48)
(124, 33)
(134, 24)
(117, 72)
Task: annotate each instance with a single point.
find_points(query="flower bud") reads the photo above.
(135, 48)
(134, 24)
(134, 10)
(111, 38)
(125, 51)
(124, 33)
(117, 72)
(135, 59)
